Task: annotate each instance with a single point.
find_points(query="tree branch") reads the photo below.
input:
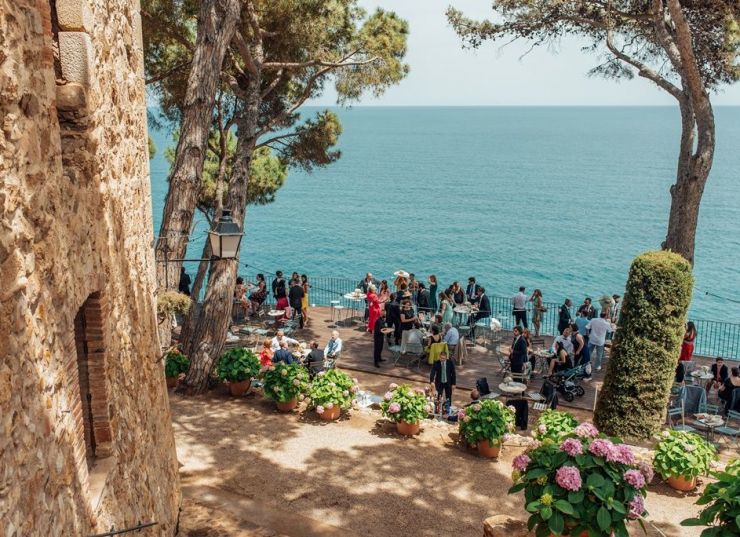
(316, 63)
(243, 48)
(167, 74)
(274, 84)
(169, 32)
(276, 139)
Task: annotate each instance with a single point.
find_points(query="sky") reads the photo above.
(445, 74)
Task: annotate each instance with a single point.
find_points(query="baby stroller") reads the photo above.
(567, 382)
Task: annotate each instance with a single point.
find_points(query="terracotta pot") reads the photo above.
(330, 414)
(407, 429)
(681, 483)
(171, 382)
(239, 388)
(488, 450)
(287, 406)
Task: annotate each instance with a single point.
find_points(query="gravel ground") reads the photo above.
(296, 475)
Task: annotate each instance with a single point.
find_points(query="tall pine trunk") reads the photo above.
(216, 25)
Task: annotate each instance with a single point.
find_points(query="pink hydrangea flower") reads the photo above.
(634, 478)
(542, 428)
(461, 413)
(506, 437)
(301, 397)
(394, 408)
(569, 478)
(636, 507)
(621, 453)
(393, 386)
(319, 409)
(572, 446)
(521, 462)
(388, 396)
(296, 382)
(329, 405)
(354, 388)
(646, 470)
(586, 429)
(601, 447)
(477, 407)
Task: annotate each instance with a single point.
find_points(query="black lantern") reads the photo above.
(225, 238)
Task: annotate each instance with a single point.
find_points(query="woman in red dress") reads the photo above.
(266, 354)
(373, 306)
(687, 347)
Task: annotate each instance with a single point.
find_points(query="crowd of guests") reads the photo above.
(278, 349)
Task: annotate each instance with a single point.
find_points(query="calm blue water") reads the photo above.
(557, 198)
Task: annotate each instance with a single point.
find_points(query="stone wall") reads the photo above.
(86, 442)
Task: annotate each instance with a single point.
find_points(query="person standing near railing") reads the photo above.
(519, 307)
(687, 347)
(538, 308)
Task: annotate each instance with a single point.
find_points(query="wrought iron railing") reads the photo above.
(714, 338)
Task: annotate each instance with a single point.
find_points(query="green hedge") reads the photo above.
(644, 353)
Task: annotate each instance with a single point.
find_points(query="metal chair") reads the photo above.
(677, 412)
(504, 364)
(524, 376)
(727, 429)
(692, 397)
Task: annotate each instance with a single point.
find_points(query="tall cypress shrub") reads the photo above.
(646, 347)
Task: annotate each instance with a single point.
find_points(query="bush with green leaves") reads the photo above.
(236, 365)
(586, 481)
(331, 388)
(683, 454)
(171, 302)
(283, 382)
(642, 362)
(554, 424)
(722, 515)
(404, 403)
(488, 420)
(175, 363)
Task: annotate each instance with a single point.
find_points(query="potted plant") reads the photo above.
(554, 424)
(175, 363)
(331, 392)
(406, 406)
(238, 367)
(484, 425)
(285, 384)
(583, 484)
(680, 457)
(722, 515)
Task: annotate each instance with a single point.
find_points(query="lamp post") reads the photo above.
(225, 237)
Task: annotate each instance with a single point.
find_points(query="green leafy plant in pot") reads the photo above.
(175, 364)
(585, 484)
(331, 392)
(485, 424)
(406, 406)
(681, 456)
(238, 367)
(722, 499)
(554, 424)
(285, 384)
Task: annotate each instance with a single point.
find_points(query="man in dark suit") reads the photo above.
(393, 316)
(519, 355)
(564, 320)
(315, 359)
(472, 290)
(719, 374)
(422, 298)
(295, 298)
(443, 377)
(484, 310)
(283, 355)
(378, 337)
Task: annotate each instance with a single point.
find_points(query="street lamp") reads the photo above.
(225, 237)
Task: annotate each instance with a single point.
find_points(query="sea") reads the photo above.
(556, 198)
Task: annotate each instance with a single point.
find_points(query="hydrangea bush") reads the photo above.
(404, 403)
(722, 515)
(583, 482)
(175, 363)
(236, 365)
(332, 388)
(683, 454)
(284, 382)
(553, 424)
(488, 420)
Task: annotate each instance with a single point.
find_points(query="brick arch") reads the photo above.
(91, 413)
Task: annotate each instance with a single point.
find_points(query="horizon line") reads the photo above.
(508, 105)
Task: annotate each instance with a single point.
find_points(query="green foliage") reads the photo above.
(601, 492)
(332, 388)
(175, 363)
(683, 454)
(723, 512)
(283, 382)
(312, 141)
(236, 365)
(488, 420)
(171, 302)
(152, 148)
(554, 424)
(646, 347)
(404, 403)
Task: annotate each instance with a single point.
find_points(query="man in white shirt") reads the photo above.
(519, 306)
(334, 346)
(598, 328)
(281, 337)
(565, 340)
(452, 336)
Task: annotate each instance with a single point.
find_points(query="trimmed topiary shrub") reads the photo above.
(646, 347)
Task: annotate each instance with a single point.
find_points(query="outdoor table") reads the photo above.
(710, 421)
(462, 312)
(492, 395)
(366, 399)
(542, 360)
(275, 314)
(512, 389)
(702, 375)
(354, 300)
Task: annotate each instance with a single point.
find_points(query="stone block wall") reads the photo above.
(86, 442)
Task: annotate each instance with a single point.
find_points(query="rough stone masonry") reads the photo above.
(86, 442)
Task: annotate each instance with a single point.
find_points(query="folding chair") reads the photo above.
(504, 364)
(673, 414)
(524, 376)
(727, 429)
(692, 397)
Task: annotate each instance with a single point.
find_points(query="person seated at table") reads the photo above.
(474, 397)
(560, 360)
(266, 352)
(565, 340)
(730, 387)
(279, 338)
(443, 377)
(719, 374)
(519, 351)
(333, 346)
(412, 337)
(283, 355)
(436, 336)
(315, 360)
(456, 293)
(259, 295)
(240, 295)
(451, 335)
